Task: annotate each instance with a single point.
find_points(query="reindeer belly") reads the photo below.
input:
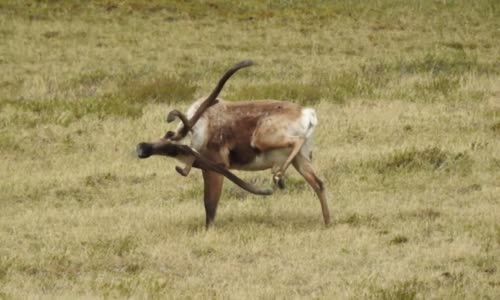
(263, 160)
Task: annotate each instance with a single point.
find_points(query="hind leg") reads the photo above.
(267, 137)
(305, 168)
(296, 144)
(211, 194)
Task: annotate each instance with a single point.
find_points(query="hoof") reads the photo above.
(279, 181)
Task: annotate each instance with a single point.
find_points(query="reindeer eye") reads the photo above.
(169, 135)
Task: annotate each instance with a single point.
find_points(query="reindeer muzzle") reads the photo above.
(144, 150)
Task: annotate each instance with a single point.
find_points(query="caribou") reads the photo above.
(217, 136)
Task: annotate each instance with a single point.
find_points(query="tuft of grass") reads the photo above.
(127, 101)
(356, 220)
(88, 82)
(336, 88)
(497, 231)
(496, 127)
(455, 63)
(161, 89)
(422, 214)
(428, 159)
(100, 179)
(76, 194)
(203, 251)
(460, 45)
(406, 290)
(119, 246)
(470, 188)
(439, 86)
(346, 85)
(298, 92)
(5, 265)
(398, 239)
(295, 185)
(63, 112)
(8, 143)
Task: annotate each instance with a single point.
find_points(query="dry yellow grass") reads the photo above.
(408, 146)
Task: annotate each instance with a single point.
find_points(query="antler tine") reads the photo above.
(177, 114)
(185, 129)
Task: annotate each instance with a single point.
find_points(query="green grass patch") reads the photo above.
(89, 79)
(337, 88)
(127, 100)
(100, 179)
(426, 214)
(356, 220)
(8, 143)
(64, 112)
(437, 87)
(398, 239)
(119, 246)
(447, 63)
(496, 127)
(160, 89)
(406, 290)
(297, 92)
(428, 159)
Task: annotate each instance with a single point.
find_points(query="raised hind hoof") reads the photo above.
(279, 181)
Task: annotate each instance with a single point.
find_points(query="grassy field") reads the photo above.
(408, 144)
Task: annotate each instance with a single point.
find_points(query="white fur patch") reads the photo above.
(266, 160)
(199, 135)
(309, 120)
(304, 127)
(196, 138)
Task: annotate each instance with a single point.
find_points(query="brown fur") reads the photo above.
(239, 123)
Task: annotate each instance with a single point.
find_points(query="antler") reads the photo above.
(211, 100)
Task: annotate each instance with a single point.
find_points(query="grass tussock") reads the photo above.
(427, 214)
(162, 89)
(448, 64)
(8, 142)
(496, 128)
(100, 179)
(497, 232)
(297, 92)
(336, 88)
(406, 290)
(120, 246)
(128, 101)
(428, 159)
(356, 220)
(398, 239)
(31, 113)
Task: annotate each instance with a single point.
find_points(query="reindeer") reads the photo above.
(218, 135)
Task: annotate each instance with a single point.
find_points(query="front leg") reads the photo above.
(278, 177)
(264, 141)
(211, 194)
(187, 168)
